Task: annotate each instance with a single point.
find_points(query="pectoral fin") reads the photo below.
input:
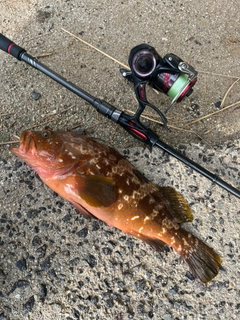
(98, 191)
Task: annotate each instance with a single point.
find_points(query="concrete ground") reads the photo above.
(54, 264)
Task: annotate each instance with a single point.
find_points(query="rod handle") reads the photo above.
(10, 47)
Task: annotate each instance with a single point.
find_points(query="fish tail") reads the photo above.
(203, 261)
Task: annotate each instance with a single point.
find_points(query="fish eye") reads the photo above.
(46, 134)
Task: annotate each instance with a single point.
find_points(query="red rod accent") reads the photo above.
(138, 133)
(10, 47)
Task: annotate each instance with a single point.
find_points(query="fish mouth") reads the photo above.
(27, 144)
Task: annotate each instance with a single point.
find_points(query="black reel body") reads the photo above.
(169, 75)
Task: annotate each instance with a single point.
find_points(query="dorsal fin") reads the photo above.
(181, 211)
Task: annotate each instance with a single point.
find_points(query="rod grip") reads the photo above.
(10, 47)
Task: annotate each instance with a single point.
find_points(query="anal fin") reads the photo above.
(153, 242)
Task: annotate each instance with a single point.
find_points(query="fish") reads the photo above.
(102, 184)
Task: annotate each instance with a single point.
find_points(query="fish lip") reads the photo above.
(27, 143)
(16, 149)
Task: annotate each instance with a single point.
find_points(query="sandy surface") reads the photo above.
(54, 264)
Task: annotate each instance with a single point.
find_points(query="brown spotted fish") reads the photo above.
(99, 182)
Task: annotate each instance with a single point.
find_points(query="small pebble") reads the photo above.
(29, 304)
(36, 241)
(35, 95)
(75, 261)
(91, 261)
(20, 284)
(140, 284)
(41, 251)
(82, 233)
(218, 104)
(43, 291)
(75, 313)
(21, 264)
(46, 264)
(95, 226)
(2, 316)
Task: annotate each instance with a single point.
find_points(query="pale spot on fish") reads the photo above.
(90, 172)
(60, 160)
(70, 153)
(91, 161)
(135, 193)
(179, 248)
(126, 198)
(135, 203)
(151, 200)
(68, 188)
(73, 157)
(173, 240)
(127, 182)
(98, 166)
(163, 230)
(120, 190)
(154, 214)
(114, 170)
(135, 217)
(146, 219)
(169, 224)
(105, 161)
(140, 230)
(120, 206)
(185, 242)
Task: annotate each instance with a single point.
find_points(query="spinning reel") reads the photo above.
(169, 75)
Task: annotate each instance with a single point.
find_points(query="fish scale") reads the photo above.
(101, 183)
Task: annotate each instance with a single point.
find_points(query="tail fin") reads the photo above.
(203, 261)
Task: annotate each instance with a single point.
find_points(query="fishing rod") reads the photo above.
(169, 75)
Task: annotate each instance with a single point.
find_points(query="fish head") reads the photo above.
(41, 150)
